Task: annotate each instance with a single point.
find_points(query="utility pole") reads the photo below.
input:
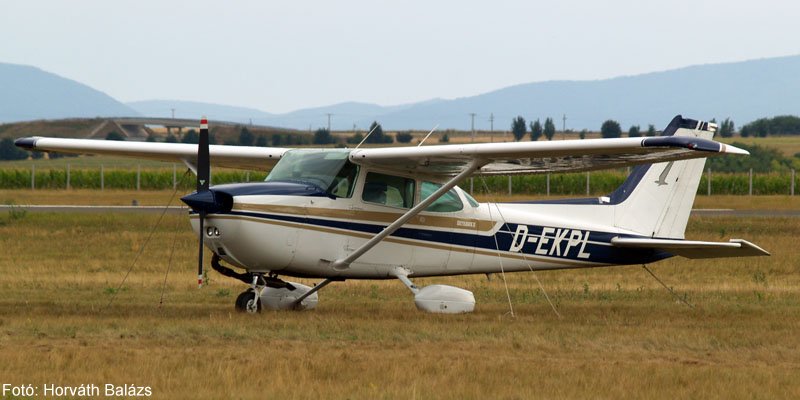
(472, 125)
(173, 113)
(329, 122)
(564, 126)
(491, 126)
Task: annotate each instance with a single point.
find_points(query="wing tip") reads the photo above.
(27, 143)
(728, 149)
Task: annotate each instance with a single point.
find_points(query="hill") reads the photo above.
(743, 91)
(195, 110)
(28, 93)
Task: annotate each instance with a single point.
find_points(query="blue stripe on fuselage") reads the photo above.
(540, 241)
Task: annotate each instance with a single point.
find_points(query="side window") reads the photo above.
(344, 182)
(388, 190)
(448, 202)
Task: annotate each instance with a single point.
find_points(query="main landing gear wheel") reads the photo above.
(248, 302)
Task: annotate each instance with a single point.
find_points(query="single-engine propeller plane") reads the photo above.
(396, 213)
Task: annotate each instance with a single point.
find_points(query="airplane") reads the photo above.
(397, 212)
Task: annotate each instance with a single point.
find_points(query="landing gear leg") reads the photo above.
(249, 301)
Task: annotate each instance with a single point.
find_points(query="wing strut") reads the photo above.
(344, 263)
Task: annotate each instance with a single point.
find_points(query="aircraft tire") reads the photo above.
(248, 302)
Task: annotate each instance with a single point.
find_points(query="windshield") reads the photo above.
(329, 169)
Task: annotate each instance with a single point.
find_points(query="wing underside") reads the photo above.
(242, 157)
(682, 140)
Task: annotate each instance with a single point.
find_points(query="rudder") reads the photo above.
(656, 199)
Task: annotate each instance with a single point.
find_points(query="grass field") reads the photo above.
(621, 335)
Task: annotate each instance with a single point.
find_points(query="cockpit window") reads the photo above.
(474, 203)
(448, 202)
(388, 190)
(330, 170)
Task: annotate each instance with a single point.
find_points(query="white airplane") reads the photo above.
(396, 213)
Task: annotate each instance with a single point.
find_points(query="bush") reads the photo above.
(403, 137)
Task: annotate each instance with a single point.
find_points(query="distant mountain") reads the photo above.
(195, 110)
(743, 91)
(343, 115)
(28, 93)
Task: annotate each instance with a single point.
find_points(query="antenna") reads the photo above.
(365, 137)
(428, 135)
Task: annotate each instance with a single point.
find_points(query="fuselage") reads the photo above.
(297, 227)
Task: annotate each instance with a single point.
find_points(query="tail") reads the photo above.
(656, 199)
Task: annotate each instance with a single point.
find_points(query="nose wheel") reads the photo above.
(249, 301)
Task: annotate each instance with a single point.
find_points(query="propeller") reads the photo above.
(203, 177)
(204, 200)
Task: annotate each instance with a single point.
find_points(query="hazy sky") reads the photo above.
(278, 56)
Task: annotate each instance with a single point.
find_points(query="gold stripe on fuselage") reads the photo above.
(427, 220)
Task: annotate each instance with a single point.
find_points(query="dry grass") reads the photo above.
(621, 335)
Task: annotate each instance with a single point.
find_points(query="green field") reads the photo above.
(620, 334)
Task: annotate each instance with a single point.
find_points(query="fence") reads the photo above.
(601, 183)
(577, 184)
(113, 178)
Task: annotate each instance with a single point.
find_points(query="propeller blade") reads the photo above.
(203, 162)
(203, 178)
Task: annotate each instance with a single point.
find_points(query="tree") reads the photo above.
(444, 139)
(518, 128)
(246, 138)
(276, 140)
(171, 138)
(113, 135)
(726, 128)
(549, 129)
(611, 129)
(536, 130)
(191, 137)
(634, 131)
(322, 136)
(8, 151)
(355, 139)
(377, 135)
(651, 130)
(261, 141)
(583, 133)
(151, 138)
(403, 137)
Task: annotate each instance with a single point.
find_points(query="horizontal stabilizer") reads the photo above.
(693, 248)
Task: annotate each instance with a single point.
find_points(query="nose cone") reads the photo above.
(209, 201)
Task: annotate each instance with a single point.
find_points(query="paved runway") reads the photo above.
(708, 212)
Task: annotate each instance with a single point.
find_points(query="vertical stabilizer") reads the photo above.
(656, 199)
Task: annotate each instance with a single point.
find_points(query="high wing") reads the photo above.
(551, 156)
(242, 157)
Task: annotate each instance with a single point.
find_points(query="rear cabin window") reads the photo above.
(388, 190)
(448, 202)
